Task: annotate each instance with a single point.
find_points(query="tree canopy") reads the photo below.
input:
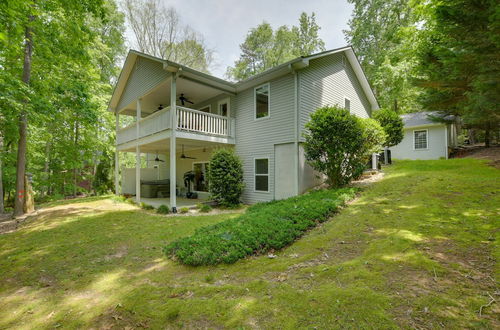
(265, 48)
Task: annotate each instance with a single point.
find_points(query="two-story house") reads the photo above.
(181, 115)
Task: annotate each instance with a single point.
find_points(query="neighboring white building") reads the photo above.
(425, 138)
(262, 118)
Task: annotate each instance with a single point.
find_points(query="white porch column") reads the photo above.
(173, 151)
(117, 158)
(138, 154)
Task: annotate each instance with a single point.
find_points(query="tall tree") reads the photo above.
(460, 61)
(58, 88)
(384, 35)
(265, 48)
(159, 32)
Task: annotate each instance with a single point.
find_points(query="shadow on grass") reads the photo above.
(397, 256)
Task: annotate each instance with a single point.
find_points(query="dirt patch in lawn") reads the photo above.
(492, 154)
(464, 278)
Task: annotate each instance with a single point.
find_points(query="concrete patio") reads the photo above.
(181, 202)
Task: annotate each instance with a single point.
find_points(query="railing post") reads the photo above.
(117, 158)
(138, 154)
(173, 124)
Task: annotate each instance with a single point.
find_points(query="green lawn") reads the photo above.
(417, 249)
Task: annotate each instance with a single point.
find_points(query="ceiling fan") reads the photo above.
(157, 159)
(183, 156)
(183, 99)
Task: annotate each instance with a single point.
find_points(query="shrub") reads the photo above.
(225, 175)
(145, 206)
(263, 227)
(184, 210)
(205, 208)
(163, 209)
(374, 136)
(392, 124)
(338, 144)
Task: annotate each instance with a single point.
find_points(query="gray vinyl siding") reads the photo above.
(326, 82)
(213, 102)
(436, 144)
(144, 76)
(256, 138)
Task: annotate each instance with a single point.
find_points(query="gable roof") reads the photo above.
(231, 87)
(424, 118)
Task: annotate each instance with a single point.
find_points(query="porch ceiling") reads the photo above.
(163, 146)
(193, 91)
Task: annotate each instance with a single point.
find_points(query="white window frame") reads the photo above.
(268, 102)
(350, 103)
(268, 175)
(228, 102)
(209, 106)
(426, 139)
(192, 166)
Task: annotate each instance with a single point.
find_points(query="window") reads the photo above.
(420, 139)
(262, 174)
(347, 103)
(262, 101)
(223, 108)
(206, 108)
(200, 176)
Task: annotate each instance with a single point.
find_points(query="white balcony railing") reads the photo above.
(202, 122)
(189, 120)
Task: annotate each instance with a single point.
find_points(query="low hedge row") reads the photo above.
(263, 227)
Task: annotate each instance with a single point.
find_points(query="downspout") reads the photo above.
(296, 126)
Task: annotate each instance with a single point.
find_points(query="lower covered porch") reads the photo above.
(145, 172)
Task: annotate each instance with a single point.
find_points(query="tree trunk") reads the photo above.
(23, 124)
(46, 168)
(75, 170)
(2, 207)
(487, 137)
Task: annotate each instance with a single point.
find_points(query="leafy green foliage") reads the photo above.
(263, 227)
(71, 134)
(145, 206)
(264, 48)
(384, 34)
(459, 59)
(392, 124)
(163, 209)
(205, 208)
(184, 210)
(339, 144)
(225, 175)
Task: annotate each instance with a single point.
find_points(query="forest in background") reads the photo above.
(59, 60)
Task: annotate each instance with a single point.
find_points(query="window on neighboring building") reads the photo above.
(262, 174)
(347, 103)
(420, 139)
(200, 176)
(262, 101)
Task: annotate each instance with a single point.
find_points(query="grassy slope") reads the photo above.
(415, 250)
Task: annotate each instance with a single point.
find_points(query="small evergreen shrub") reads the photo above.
(225, 175)
(263, 227)
(338, 143)
(145, 206)
(163, 209)
(184, 210)
(392, 125)
(205, 208)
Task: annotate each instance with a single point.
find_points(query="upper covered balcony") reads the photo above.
(144, 97)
